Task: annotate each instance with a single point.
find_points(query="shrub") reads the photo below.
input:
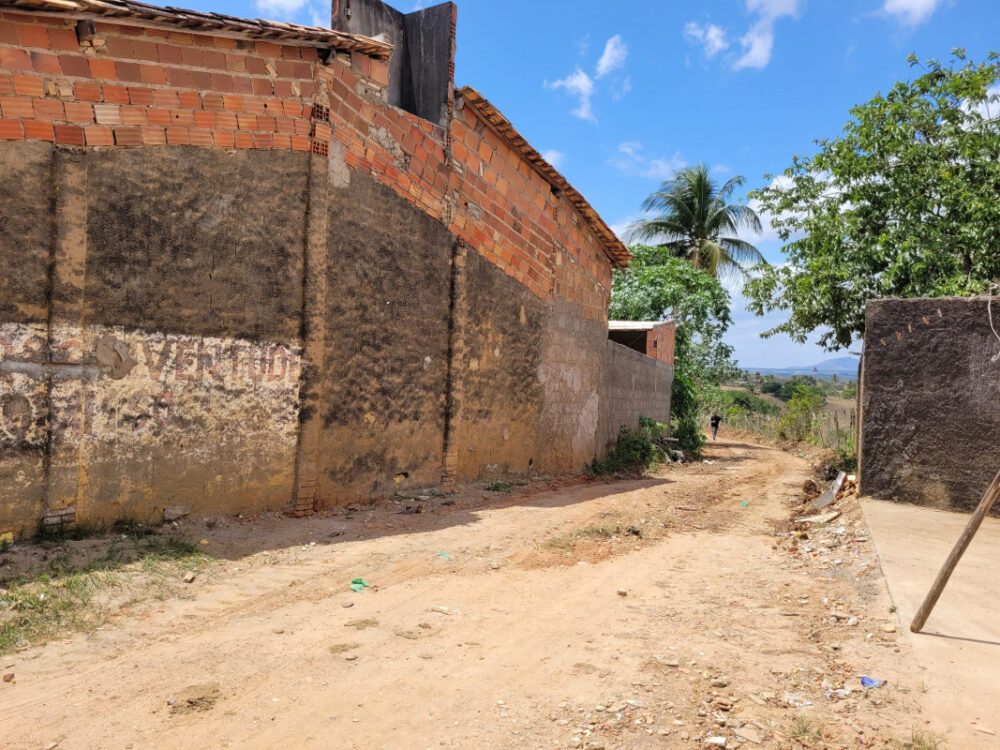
(685, 426)
(638, 449)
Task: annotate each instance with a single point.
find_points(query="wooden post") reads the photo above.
(956, 554)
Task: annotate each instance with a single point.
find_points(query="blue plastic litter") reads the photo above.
(868, 682)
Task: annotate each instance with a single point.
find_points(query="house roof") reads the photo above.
(634, 325)
(613, 247)
(129, 11)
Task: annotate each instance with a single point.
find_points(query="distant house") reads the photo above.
(654, 338)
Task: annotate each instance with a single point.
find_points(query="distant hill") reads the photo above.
(842, 367)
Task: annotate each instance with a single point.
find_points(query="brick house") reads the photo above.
(245, 268)
(651, 337)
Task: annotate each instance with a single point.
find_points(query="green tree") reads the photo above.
(800, 414)
(657, 284)
(906, 202)
(693, 219)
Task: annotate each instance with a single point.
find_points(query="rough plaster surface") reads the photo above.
(930, 401)
(499, 326)
(196, 241)
(25, 231)
(383, 378)
(235, 331)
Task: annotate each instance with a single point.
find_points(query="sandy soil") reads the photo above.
(652, 613)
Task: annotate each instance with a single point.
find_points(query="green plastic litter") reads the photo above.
(745, 504)
(359, 584)
(444, 555)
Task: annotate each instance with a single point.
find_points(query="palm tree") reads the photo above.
(693, 219)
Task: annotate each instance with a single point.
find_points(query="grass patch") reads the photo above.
(806, 731)
(921, 740)
(499, 486)
(569, 541)
(68, 596)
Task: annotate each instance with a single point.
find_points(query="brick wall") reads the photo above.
(660, 342)
(133, 86)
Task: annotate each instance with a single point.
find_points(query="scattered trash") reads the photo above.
(831, 492)
(868, 682)
(706, 461)
(622, 592)
(204, 541)
(745, 504)
(833, 692)
(822, 518)
(795, 700)
(444, 555)
(359, 584)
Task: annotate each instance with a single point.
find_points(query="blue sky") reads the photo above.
(619, 95)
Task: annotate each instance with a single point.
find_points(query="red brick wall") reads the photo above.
(660, 342)
(141, 86)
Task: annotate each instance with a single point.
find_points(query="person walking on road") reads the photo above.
(715, 421)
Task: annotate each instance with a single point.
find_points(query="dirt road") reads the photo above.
(630, 614)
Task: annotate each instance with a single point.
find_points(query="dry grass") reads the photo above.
(137, 566)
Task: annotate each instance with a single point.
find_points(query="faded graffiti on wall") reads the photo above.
(107, 388)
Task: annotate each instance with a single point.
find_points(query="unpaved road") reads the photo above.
(513, 642)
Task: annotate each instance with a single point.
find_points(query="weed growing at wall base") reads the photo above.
(634, 450)
(66, 597)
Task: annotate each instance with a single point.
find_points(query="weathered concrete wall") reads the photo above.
(930, 401)
(233, 276)
(497, 395)
(635, 386)
(385, 366)
(26, 236)
(168, 370)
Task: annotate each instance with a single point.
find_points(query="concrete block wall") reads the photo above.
(234, 277)
(930, 401)
(636, 386)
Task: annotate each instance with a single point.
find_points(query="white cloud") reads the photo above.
(758, 42)
(580, 85)
(283, 9)
(320, 16)
(553, 157)
(712, 38)
(911, 12)
(613, 58)
(622, 87)
(631, 159)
